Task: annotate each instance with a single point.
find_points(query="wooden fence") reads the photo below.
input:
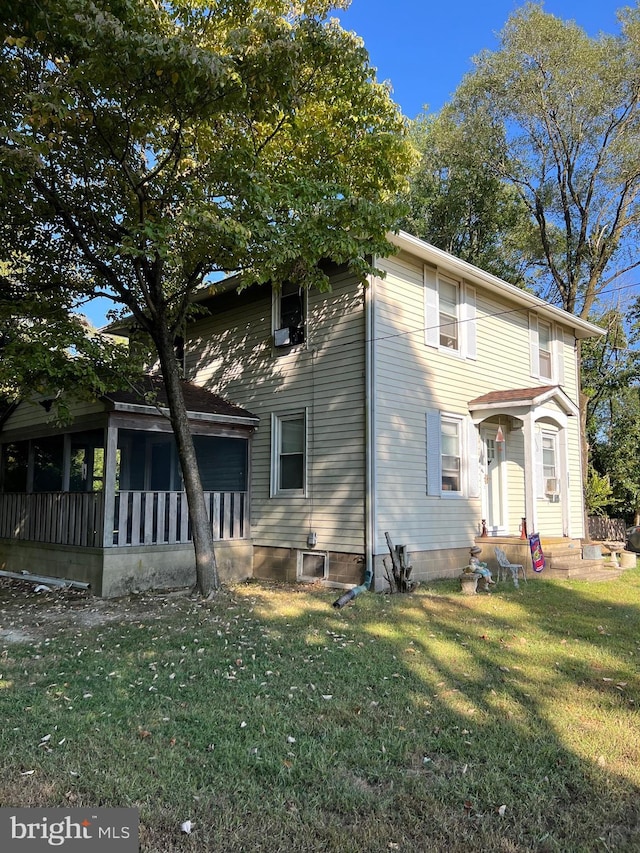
(140, 518)
(607, 529)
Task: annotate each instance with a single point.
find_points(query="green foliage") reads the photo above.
(160, 143)
(611, 381)
(458, 203)
(555, 115)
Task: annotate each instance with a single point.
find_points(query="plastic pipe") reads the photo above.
(353, 593)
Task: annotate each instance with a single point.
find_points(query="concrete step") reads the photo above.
(590, 573)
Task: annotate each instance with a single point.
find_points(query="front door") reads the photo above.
(494, 488)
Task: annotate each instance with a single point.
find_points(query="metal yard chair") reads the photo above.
(504, 566)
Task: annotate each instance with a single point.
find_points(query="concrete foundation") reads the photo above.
(113, 572)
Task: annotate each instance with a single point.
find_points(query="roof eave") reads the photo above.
(431, 254)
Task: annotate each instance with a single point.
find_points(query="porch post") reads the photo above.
(66, 462)
(109, 485)
(530, 491)
(563, 479)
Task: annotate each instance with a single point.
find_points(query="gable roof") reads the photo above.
(432, 255)
(528, 397)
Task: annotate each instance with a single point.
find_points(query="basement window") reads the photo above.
(313, 566)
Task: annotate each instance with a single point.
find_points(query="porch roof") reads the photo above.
(200, 403)
(529, 398)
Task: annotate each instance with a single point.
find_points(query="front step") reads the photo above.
(565, 561)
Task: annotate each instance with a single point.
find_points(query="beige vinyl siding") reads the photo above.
(30, 420)
(412, 378)
(232, 354)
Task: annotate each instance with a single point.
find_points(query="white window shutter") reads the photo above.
(431, 313)
(473, 460)
(468, 322)
(434, 476)
(533, 345)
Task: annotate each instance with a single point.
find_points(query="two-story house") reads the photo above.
(434, 402)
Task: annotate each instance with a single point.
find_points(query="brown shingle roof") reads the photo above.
(513, 395)
(196, 398)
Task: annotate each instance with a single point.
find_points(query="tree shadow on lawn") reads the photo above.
(432, 721)
(525, 699)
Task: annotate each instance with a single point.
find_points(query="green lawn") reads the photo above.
(273, 722)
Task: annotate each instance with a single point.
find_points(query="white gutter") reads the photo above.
(139, 409)
(433, 255)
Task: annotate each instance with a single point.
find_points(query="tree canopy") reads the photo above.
(145, 146)
(555, 114)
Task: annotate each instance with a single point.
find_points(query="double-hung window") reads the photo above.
(448, 293)
(450, 314)
(450, 455)
(288, 468)
(544, 351)
(549, 464)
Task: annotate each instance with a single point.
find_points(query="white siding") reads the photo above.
(232, 355)
(413, 378)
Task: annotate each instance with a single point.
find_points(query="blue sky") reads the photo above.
(425, 48)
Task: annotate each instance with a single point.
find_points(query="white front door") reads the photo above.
(493, 482)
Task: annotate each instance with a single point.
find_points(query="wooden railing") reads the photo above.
(64, 518)
(158, 518)
(140, 518)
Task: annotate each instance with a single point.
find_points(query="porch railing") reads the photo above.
(140, 518)
(64, 518)
(158, 518)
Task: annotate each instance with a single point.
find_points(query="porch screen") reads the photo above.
(222, 463)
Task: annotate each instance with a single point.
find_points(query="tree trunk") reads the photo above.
(206, 566)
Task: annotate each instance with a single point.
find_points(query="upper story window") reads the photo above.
(546, 343)
(450, 314)
(448, 293)
(544, 350)
(289, 315)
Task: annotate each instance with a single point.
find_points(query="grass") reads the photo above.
(274, 722)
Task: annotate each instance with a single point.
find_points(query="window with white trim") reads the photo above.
(450, 314)
(448, 299)
(545, 362)
(288, 454)
(549, 464)
(452, 456)
(289, 315)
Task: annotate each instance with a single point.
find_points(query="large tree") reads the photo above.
(148, 145)
(458, 202)
(556, 115)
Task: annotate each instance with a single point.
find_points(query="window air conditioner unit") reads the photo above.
(551, 486)
(282, 337)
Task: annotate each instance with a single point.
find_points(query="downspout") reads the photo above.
(353, 593)
(370, 467)
(370, 444)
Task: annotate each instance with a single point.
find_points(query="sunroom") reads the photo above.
(101, 500)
